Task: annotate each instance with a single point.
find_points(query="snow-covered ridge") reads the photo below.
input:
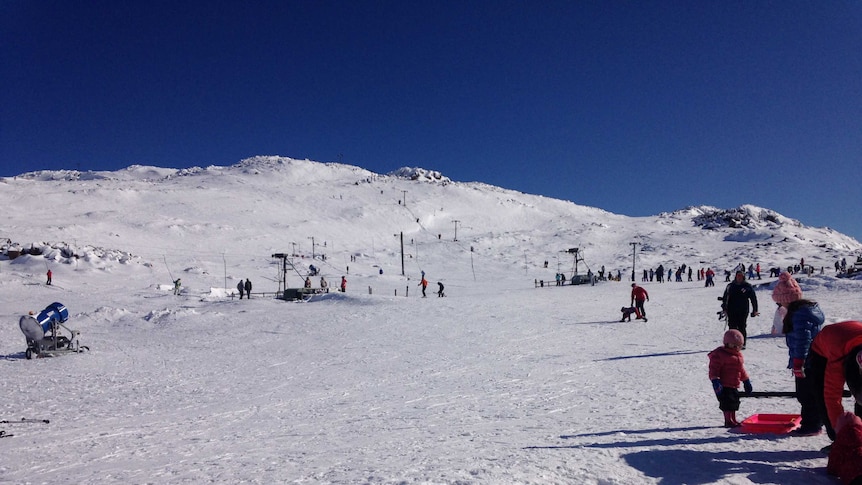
(263, 204)
(421, 175)
(745, 216)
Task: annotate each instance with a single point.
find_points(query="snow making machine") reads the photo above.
(45, 333)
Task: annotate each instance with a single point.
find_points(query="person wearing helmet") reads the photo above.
(800, 324)
(836, 359)
(727, 371)
(735, 301)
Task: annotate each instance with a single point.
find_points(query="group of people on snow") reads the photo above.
(244, 288)
(424, 284)
(822, 359)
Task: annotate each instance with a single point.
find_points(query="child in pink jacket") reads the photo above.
(727, 371)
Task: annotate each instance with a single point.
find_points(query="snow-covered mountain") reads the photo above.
(503, 380)
(266, 205)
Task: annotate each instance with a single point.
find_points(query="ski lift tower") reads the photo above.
(282, 282)
(578, 255)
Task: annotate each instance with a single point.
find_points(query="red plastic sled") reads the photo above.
(770, 423)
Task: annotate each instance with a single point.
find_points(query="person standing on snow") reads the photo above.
(639, 296)
(177, 285)
(423, 284)
(734, 304)
(49, 277)
(241, 288)
(343, 284)
(836, 359)
(727, 371)
(800, 325)
(440, 289)
(248, 289)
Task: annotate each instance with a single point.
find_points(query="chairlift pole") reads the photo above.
(634, 251)
(401, 234)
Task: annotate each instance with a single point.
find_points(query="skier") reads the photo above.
(423, 284)
(49, 277)
(800, 325)
(177, 285)
(727, 371)
(639, 296)
(240, 288)
(248, 289)
(734, 303)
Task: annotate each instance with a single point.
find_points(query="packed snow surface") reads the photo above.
(503, 380)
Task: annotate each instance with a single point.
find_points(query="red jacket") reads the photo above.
(845, 457)
(834, 342)
(639, 294)
(728, 366)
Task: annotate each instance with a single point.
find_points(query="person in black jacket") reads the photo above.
(735, 301)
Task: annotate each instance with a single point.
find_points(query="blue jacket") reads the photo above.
(807, 320)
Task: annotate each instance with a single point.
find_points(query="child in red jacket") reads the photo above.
(845, 457)
(727, 371)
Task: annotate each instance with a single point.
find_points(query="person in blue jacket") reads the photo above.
(801, 324)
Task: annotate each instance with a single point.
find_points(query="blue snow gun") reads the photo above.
(54, 313)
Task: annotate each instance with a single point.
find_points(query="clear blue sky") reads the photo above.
(633, 107)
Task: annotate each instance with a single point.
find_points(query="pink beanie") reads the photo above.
(787, 290)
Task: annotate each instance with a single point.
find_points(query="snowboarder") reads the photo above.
(836, 358)
(734, 304)
(241, 288)
(49, 277)
(639, 296)
(248, 289)
(177, 284)
(440, 290)
(727, 371)
(800, 325)
(423, 284)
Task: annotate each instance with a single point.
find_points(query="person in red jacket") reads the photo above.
(727, 371)
(639, 296)
(845, 457)
(836, 359)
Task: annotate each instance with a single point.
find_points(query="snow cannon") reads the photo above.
(44, 333)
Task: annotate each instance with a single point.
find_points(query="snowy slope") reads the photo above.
(499, 382)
